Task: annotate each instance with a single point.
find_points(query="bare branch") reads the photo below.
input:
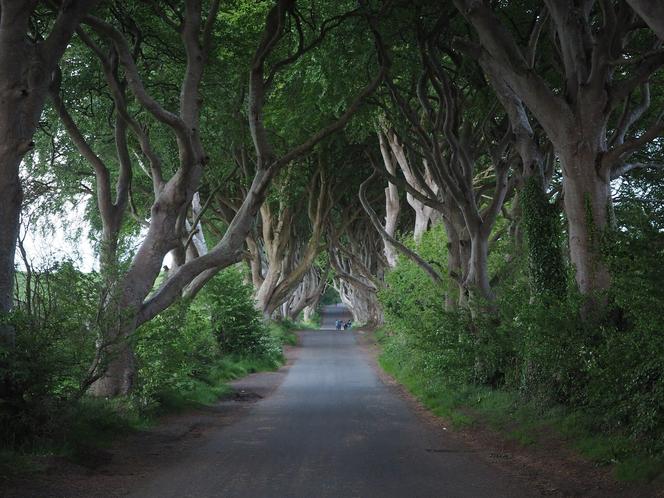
(625, 168)
(375, 221)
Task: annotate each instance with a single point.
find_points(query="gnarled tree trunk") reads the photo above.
(25, 73)
(392, 205)
(576, 115)
(587, 204)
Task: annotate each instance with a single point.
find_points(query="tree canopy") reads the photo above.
(488, 155)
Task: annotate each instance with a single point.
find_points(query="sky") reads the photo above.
(66, 238)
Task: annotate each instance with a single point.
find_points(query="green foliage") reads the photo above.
(314, 321)
(537, 357)
(235, 321)
(173, 351)
(282, 331)
(185, 356)
(330, 296)
(54, 346)
(179, 351)
(542, 227)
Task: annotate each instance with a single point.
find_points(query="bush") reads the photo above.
(612, 370)
(237, 325)
(173, 350)
(184, 356)
(184, 345)
(55, 339)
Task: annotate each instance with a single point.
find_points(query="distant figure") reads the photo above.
(348, 325)
(337, 324)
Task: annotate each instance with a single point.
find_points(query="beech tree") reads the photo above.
(454, 145)
(356, 259)
(306, 296)
(169, 228)
(392, 204)
(596, 79)
(29, 53)
(289, 253)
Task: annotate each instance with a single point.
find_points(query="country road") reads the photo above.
(331, 429)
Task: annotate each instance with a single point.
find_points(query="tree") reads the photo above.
(652, 12)
(29, 53)
(576, 105)
(456, 150)
(131, 302)
(290, 243)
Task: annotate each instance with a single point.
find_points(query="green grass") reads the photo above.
(527, 422)
(210, 387)
(284, 331)
(92, 424)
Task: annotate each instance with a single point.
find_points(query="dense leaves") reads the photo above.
(540, 348)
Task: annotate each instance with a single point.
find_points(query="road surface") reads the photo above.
(331, 429)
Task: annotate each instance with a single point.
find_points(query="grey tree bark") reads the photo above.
(286, 265)
(392, 205)
(25, 75)
(356, 259)
(652, 12)
(307, 294)
(423, 212)
(576, 118)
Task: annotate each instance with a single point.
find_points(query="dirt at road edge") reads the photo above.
(551, 466)
(116, 470)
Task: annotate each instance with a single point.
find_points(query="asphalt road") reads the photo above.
(331, 429)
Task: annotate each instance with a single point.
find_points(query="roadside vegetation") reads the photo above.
(184, 358)
(532, 366)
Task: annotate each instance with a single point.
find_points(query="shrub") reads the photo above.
(184, 345)
(184, 356)
(611, 368)
(55, 338)
(237, 325)
(173, 350)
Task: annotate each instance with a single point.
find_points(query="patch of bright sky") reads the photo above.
(54, 238)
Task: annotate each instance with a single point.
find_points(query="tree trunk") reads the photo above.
(391, 220)
(10, 210)
(20, 106)
(266, 290)
(108, 253)
(120, 374)
(309, 312)
(587, 203)
(422, 218)
(478, 266)
(125, 299)
(541, 224)
(392, 205)
(652, 12)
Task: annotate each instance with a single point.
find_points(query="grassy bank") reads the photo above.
(528, 422)
(92, 424)
(284, 331)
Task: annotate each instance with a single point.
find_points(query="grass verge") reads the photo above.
(284, 331)
(91, 425)
(527, 422)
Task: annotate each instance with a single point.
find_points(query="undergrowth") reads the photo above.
(528, 422)
(185, 358)
(533, 365)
